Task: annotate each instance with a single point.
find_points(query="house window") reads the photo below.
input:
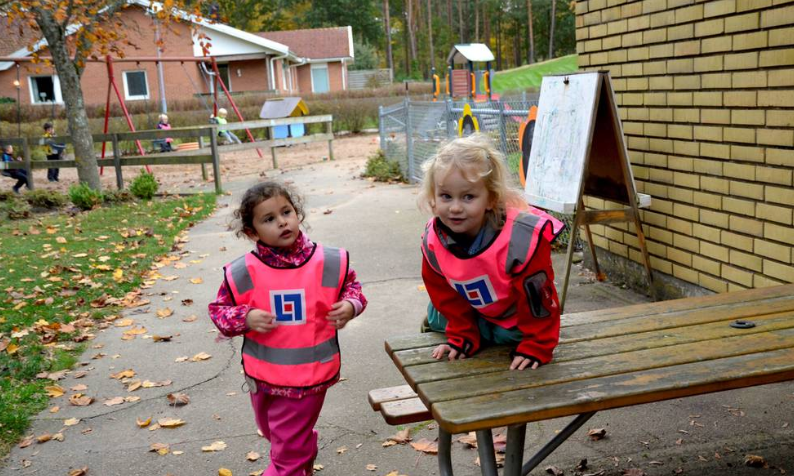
(223, 69)
(320, 83)
(45, 89)
(135, 85)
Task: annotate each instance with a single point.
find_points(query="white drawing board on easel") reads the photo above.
(578, 149)
(561, 142)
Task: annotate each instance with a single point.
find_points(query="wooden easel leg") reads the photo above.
(643, 248)
(273, 153)
(593, 252)
(568, 258)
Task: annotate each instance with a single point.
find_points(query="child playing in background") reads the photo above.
(20, 175)
(164, 144)
(221, 120)
(52, 150)
(487, 258)
(288, 298)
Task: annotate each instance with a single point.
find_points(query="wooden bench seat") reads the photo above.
(398, 405)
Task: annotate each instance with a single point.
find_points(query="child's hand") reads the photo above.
(341, 313)
(260, 321)
(440, 351)
(521, 363)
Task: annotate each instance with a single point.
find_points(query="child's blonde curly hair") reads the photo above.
(477, 159)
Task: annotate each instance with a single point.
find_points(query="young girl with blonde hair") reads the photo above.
(487, 257)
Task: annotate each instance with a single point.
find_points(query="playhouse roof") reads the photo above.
(475, 52)
(279, 108)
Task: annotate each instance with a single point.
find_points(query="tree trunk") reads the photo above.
(387, 22)
(476, 21)
(430, 36)
(449, 19)
(71, 89)
(486, 26)
(460, 20)
(411, 32)
(406, 44)
(531, 38)
(551, 32)
(499, 42)
(517, 45)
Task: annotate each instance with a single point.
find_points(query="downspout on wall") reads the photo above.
(273, 68)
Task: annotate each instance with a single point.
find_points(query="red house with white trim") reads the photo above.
(299, 62)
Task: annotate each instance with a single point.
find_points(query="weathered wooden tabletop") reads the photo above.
(612, 358)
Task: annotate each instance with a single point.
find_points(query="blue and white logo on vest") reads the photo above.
(478, 291)
(289, 306)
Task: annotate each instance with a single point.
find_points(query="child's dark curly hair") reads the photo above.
(244, 215)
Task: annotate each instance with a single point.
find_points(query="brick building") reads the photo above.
(706, 96)
(247, 62)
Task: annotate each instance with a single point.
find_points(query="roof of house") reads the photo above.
(15, 45)
(316, 43)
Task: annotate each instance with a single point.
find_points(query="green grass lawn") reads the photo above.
(58, 272)
(530, 76)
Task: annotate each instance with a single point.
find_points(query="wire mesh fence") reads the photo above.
(412, 131)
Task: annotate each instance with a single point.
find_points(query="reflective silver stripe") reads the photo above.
(241, 276)
(520, 238)
(431, 256)
(320, 353)
(332, 261)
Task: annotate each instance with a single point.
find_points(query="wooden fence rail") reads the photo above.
(207, 153)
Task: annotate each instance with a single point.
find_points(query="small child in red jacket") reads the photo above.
(487, 258)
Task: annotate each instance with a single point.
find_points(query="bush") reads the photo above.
(382, 169)
(15, 209)
(85, 197)
(45, 198)
(118, 196)
(144, 186)
(6, 195)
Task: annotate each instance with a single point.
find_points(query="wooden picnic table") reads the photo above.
(606, 359)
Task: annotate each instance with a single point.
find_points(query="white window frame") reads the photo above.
(56, 86)
(327, 74)
(127, 95)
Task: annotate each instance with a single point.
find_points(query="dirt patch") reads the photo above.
(234, 165)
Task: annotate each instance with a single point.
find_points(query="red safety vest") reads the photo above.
(303, 350)
(486, 279)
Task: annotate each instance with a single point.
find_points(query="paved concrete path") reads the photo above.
(380, 226)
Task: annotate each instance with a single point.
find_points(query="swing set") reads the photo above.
(215, 84)
(216, 81)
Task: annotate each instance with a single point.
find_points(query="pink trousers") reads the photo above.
(288, 423)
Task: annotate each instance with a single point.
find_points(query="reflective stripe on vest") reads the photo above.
(322, 353)
(485, 279)
(303, 349)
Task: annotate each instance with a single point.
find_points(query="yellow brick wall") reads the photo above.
(705, 90)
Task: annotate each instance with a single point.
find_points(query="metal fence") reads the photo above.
(412, 131)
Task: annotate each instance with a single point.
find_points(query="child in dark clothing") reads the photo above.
(19, 174)
(53, 151)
